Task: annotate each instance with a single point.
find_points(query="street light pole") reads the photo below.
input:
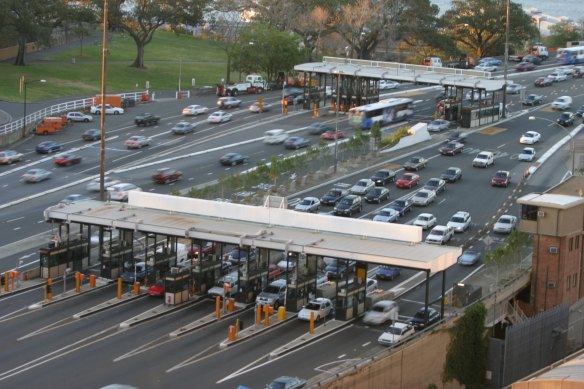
(572, 140)
(24, 85)
(337, 122)
(506, 59)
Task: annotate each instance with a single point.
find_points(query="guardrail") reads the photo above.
(60, 109)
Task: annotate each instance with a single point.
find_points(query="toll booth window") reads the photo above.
(529, 212)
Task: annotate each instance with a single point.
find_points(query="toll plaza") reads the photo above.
(196, 245)
(471, 97)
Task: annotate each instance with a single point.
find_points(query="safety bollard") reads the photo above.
(267, 312)
(77, 282)
(218, 307)
(258, 314)
(281, 313)
(236, 328)
(311, 323)
(119, 288)
(92, 279)
(231, 305)
(6, 275)
(136, 288)
(231, 333)
(49, 291)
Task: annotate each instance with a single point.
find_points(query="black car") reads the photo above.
(317, 128)
(534, 59)
(525, 66)
(543, 81)
(93, 134)
(451, 148)
(438, 185)
(383, 177)
(457, 136)
(377, 195)
(48, 147)
(296, 142)
(349, 205)
(532, 99)
(333, 196)
(566, 119)
(339, 268)
(403, 206)
(419, 321)
(232, 159)
(452, 174)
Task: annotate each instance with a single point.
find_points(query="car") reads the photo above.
(450, 93)
(403, 206)
(182, 128)
(557, 76)
(534, 59)
(308, 204)
(457, 136)
(296, 142)
(425, 220)
(395, 333)
(478, 95)
(438, 125)
(108, 181)
(67, 159)
(469, 257)
(490, 61)
(530, 137)
(419, 320)
(156, 289)
(383, 177)
(138, 272)
(505, 224)
(320, 308)
(255, 107)
(438, 185)
(484, 159)
(79, 117)
(119, 192)
(228, 102)
(424, 197)
(219, 117)
(91, 134)
(387, 215)
(451, 148)
(377, 195)
(381, 312)
(440, 235)
(8, 157)
(194, 110)
(137, 142)
(331, 133)
(74, 198)
(166, 175)
(527, 155)
(237, 256)
(580, 111)
(514, 89)
(286, 382)
(532, 99)
(317, 128)
(35, 175)
(338, 268)
(48, 147)
(566, 119)
(452, 174)
(543, 81)
(387, 272)
(109, 110)
(407, 180)
(562, 103)
(486, 67)
(348, 205)
(416, 163)
(501, 178)
(460, 221)
(333, 196)
(525, 66)
(273, 295)
(388, 84)
(232, 159)
(362, 187)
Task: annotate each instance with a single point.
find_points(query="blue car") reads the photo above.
(386, 272)
(48, 147)
(137, 273)
(580, 111)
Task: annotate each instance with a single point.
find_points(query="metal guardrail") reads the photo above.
(53, 110)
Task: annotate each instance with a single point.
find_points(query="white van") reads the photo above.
(273, 137)
(539, 51)
(562, 103)
(432, 61)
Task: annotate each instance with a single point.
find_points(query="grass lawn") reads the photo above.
(202, 60)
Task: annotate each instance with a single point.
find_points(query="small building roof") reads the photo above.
(551, 200)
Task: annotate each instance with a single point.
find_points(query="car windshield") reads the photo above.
(415, 160)
(306, 202)
(423, 218)
(272, 289)
(438, 232)
(312, 306)
(422, 194)
(378, 308)
(346, 201)
(500, 175)
(528, 135)
(450, 171)
(481, 156)
(421, 315)
(377, 191)
(334, 192)
(527, 151)
(505, 220)
(394, 330)
(432, 183)
(385, 213)
(361, 183)
(400, 203)
(457, 219)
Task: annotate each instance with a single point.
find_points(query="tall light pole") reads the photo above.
(506, 59)
(337, 122)
(572, 140)
(102, 113)
(24, 83)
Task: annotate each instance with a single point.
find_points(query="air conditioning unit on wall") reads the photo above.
(551, 284)
(540, 213)
(553, 249)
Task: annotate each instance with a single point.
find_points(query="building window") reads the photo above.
(574, 278)
(571, 244)
(529, 212)
(577, 242)
(568, 283)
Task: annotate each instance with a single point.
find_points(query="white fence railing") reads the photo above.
(59, 109)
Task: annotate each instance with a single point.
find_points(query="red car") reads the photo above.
(330, 134)
(156, 290)
(408, 180)
(67, 159)
(166, 175)
(208, 248)
(524, 66)
(501, 178)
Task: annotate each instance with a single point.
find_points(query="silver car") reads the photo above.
(94, 185)
(308, 204)
(119, 192)
(362, 186)
(438, 125)
(10, 156)
(505, 224)
(35, 175)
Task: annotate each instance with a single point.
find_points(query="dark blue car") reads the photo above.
(48, 147)
(386, 272)
(333, 196)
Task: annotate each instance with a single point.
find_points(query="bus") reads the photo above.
(383, 112)
(571, 55)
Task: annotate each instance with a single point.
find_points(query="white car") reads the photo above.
(440, 235)
(219, 117)
(527, 155)
(320, 307)
(530, 137)
(137, 142)
(94, 184)
(362, 186)
(381, 312)
(424, 197)
(557, 76)
(79, 117)
(396, 333)
(10, 156)
(388, 84)
(505, 224)
(194, 110)
(425, 220)
(119, 192)
(486, 67)
(387, 215)
(460, 221)
(514, 89)
(308, 204)
(109, 110)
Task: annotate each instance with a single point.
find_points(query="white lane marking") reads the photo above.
(322, 369)
(13, 220)
(365, 344)
(341, 356)
(126, 156)
(501, 146)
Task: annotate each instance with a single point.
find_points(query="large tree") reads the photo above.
(141, 18)
(564, 32)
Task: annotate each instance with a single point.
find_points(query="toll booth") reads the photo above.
(249, 275)
(301, 281)
(176, 286)
(206, 265)
(115, 248)
(59, 255)
(350, 301)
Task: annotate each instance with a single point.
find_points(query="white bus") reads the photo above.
(571, 55)
(383, 112)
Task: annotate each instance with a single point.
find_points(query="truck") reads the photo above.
(51, 124)
(113, 100)
(146, 119)
(254, 83)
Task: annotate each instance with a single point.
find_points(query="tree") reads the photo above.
(141, 18)
(466, 358)
(479, 26)
(562, 33)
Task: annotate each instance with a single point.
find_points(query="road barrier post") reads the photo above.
(258, 314)
(49, 291)
(311, 323)
(281, 313)
(136, 288)
(119, 288)
(218, 307)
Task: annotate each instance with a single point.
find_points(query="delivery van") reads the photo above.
(113, 100)
(432, 61)
(51, 124)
